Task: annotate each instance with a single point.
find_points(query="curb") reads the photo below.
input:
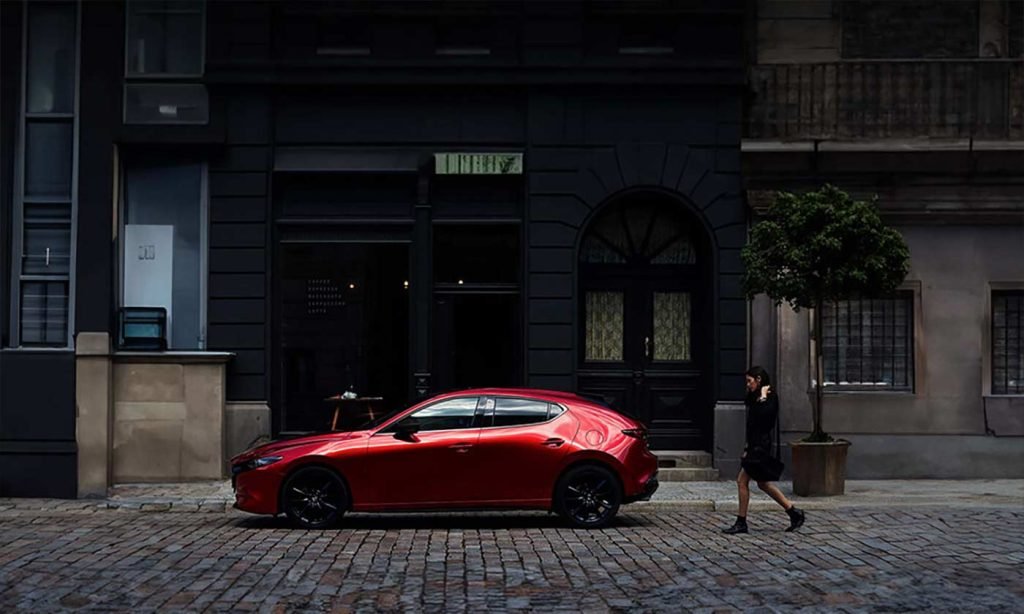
(214, 506)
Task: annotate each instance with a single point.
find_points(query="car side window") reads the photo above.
(516, 412)
(554, 410)
(446, 415)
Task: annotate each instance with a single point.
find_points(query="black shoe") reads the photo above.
(740, 526)
(796, 519)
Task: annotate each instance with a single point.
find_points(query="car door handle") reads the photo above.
(461, 448)
(553, 442)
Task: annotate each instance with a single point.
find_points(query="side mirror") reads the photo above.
(407, 432)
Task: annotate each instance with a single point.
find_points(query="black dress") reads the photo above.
(762, 417)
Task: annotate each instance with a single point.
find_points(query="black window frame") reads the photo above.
(1002, 385)
(891, 340)
(394, 426)
(488, 406)
(174, 85)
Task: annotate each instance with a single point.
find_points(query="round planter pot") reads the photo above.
(819, 469)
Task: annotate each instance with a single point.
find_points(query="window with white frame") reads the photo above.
(868, 344)
(1007, 344)
(45, 194)
(164, 244)
(164, 62)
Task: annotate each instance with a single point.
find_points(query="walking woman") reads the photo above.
(760, 459)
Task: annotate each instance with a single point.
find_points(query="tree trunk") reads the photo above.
(819, 372)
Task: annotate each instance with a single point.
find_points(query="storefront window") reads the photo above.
(164, 240)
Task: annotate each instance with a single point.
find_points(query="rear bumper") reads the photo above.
(650, 486)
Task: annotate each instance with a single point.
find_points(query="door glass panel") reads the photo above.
(596, 250)
(671, 326)
(604, 326)
(679, 251)
(444, 416)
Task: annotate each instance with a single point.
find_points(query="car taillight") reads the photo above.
(637, 433)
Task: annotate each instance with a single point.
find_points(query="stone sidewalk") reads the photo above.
(671, 496)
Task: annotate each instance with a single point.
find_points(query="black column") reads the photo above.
(421, 271)
(101, 68)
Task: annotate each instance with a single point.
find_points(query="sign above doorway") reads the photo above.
(478, 163)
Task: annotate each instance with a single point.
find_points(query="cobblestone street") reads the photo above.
(896, 559)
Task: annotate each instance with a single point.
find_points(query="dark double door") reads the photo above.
(641, 350)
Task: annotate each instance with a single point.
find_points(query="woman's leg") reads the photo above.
(773, 491)
(796, 517)
(743, 484)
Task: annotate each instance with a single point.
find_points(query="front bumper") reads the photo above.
(256, 491)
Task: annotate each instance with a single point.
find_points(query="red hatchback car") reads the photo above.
(474, 449)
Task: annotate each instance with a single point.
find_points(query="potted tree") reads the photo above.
(809, 250)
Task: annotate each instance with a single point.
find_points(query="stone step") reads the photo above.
(683, 458)
(688, 474)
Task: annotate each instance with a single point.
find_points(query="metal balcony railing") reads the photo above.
(877, 99)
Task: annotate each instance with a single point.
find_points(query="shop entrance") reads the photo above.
(343, 324)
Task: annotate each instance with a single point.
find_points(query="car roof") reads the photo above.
(535, 393)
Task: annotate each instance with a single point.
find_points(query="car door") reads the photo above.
(430, 468)
(520, 449)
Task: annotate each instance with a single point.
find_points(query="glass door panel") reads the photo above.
(604, 322)
(671, 322)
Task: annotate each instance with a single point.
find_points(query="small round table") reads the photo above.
(340, 400)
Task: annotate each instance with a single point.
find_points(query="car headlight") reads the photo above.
(256, 463)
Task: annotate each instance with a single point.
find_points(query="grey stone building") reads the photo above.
(921, 104)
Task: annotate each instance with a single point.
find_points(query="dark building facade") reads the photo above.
(385, 197)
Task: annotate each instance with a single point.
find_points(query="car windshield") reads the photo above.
(379, 420)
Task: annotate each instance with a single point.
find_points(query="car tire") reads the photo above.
(314, 498)
(588, 496)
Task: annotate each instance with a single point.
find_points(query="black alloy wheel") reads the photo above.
(314, 498)
(588, 496)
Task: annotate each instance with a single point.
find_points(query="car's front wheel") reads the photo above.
(314, 498)
(588, 496)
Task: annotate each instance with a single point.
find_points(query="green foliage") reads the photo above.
(820, 247)
(823, 246)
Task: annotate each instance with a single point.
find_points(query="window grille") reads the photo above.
(1007, 349)
(868, 343)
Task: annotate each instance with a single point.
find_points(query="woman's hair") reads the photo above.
(759, 373)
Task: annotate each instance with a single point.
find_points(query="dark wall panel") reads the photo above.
(101, 69)
(38, 395)
(237, 311)
(37, 424)
(38, 471)
(388, 117)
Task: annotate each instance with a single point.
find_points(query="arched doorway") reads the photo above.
(646, 341)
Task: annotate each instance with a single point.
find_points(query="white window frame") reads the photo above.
(913, 288)
(988, 343)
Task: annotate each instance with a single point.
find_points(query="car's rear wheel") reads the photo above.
(314, 498)
(588, 496)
